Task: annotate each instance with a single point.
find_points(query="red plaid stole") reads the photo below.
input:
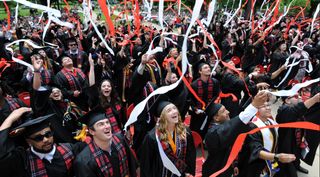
(147, 90)
(179, 158)
(72, 77)
(45, 76)
(112, 120)
(13, 103)
(37, 167)
(200, 90)
(102, 159)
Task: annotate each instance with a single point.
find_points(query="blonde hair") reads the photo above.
(180, 128)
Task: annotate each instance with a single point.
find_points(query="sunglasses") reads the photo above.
(39, 138)
(72, 44)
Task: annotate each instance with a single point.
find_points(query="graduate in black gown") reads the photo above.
(293, 140)
(175, 140)
(106, 154)
(43, 157)
(49, 100)
(72, 82)
(208, 90)
(224, 132)
(313, 137)
(259, 155)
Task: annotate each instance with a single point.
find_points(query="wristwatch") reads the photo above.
(276, 158)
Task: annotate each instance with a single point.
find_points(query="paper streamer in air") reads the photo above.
(16, 13)
(55, 12)
(18, 60)
(160, 13)
(210, 12)
(294, 90)
(241, 138)
(234, 14)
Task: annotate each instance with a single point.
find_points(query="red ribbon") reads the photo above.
(8, 15)
(105, 10)
(68, 7)
(137, 18)
(191, 89)
(236, 148)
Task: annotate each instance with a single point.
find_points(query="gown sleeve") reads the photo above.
(148, 151)
(190, 155)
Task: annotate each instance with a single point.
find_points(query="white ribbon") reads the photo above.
(294, 63)
(314, 18)
(18, 60)
(161, 2)
(210, 12)
(55, 12)
(234, 14)
(16, 13)
(294, 90)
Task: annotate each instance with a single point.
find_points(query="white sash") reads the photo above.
(269, 141)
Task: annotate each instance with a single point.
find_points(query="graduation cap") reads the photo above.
(31, 125)
(213, 109)
(157, 106)
(198, 65)
(93, 116)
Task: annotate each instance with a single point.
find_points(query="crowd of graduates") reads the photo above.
(66, 115)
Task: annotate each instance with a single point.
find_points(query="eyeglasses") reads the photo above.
(39, 138)
(72, 44)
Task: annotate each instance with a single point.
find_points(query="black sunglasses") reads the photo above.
(39, 138)
(72, 44)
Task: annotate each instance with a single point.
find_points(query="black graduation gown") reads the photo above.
(150, 160)
(230, 83)
(14, 160)
(250, 165)
(43, 105)
(287, 138)
(145, 121)
(313, 137)
(218, 141)
(85, 164)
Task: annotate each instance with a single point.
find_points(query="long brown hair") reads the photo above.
(180, 128)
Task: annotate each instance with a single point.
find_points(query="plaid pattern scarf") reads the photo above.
(179, 158)
(45, 77)
(13, 103)
(37, 167)
(200, 91)
(113, 121)
(147, 90)
(103, 161)
(72, 78)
